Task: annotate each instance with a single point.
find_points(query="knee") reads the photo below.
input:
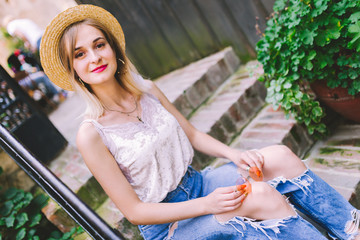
(262, 191)
(283, 151)
(279, 156)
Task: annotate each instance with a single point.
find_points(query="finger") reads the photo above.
(235, 203)
(255, 158)
(261, 157)
(250, 158)
(243, 166)
(228, 190)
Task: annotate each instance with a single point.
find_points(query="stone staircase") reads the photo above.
(223, 98)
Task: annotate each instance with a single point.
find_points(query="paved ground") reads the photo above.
(67, 117)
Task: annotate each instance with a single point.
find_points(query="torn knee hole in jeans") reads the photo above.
(303, 181)
(262, 226)
(352, 226)
(172, 228)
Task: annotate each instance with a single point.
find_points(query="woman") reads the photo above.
(139, 148)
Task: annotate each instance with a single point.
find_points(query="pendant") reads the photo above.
(139, 119)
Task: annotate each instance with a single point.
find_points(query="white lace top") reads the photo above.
(153, 155)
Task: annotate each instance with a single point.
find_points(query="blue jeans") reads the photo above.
(195, 184)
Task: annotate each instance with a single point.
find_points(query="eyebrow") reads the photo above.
(95, 40)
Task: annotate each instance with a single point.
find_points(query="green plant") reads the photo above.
(305, 41)
(21, 217)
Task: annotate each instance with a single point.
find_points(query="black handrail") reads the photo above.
(94, 225)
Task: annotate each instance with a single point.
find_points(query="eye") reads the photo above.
(79, 54)
(100, 45)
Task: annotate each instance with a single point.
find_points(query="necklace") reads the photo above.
(128, 113)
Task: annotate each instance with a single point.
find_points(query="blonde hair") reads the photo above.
(123, 75)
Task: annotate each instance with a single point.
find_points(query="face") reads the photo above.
(94, 59)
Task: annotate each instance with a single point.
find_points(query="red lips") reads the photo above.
(100, 69)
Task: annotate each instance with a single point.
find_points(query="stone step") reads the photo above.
(271, 127)
(337, 159)
(187, 88)
(343, 182)
(230, 108)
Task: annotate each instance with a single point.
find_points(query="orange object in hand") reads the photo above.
(243, 185)
(256, 174)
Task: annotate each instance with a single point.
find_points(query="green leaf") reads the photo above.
(19, 196)
(55, 234)
(19, 205)
(355, 17)
(333, 31)
(308, 66)
(354, 31)
(79, 230)
(322, 39)
(31, 233)
(317, 111)
(353, 74)
(279, 96)
(35, 220)
(66, 236)
(41, 200)
(287, 85)
(10, 193)
(312, 55)
(21, 234)
(10, 221)
(6, 208)
(320, 7)
(307, 37)
(21, 220)
(279, 5)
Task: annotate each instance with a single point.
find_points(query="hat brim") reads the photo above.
(49, 47)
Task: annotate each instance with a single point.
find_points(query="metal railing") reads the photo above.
(92, 223)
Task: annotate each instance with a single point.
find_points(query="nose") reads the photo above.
(95, 56)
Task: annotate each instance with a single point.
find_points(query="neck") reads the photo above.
(112, 96)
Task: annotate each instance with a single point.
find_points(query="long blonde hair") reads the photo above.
(123, 75)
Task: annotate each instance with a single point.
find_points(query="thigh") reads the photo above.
(223, 176)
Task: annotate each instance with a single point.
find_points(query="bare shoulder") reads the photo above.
(154, 90)
(87, 136)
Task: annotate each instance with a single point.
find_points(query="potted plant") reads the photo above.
(310, 41)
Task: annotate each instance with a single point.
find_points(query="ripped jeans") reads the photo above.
(307, 192)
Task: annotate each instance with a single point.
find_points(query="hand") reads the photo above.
(248, 158)
(224, 199)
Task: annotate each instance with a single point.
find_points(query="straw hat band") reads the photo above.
(49, 47)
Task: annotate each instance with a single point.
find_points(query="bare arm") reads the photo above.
(105, 169)
(204, 142)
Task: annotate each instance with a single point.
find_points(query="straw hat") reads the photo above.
(49, 47)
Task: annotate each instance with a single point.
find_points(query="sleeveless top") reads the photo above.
(153, 155)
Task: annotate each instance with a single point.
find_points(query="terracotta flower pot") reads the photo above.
(338, 99)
